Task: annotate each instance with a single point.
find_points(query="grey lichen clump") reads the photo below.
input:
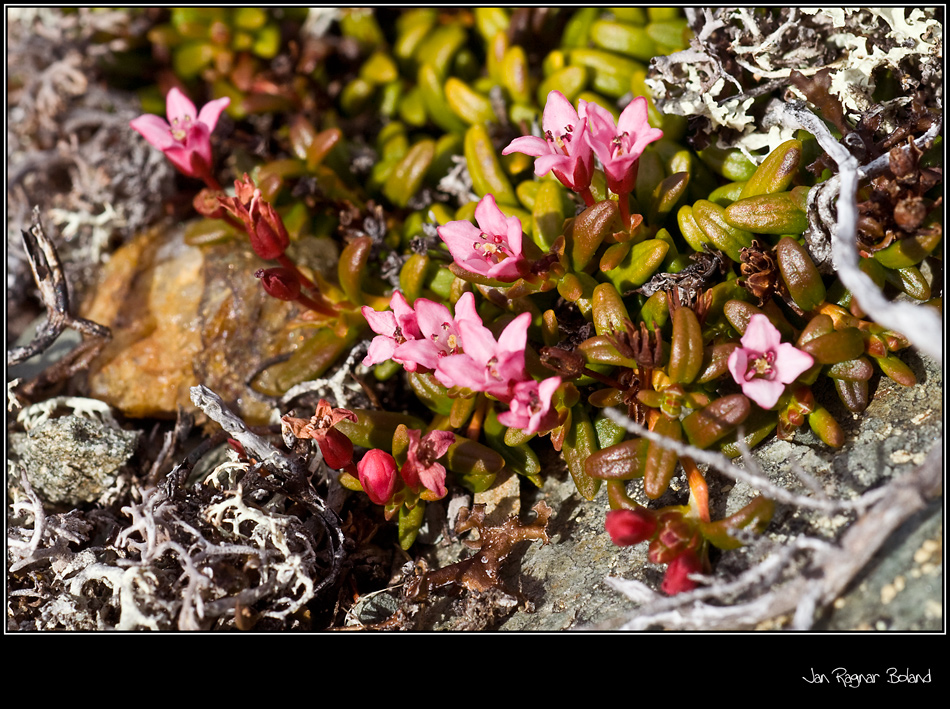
(72, 460)
(740, 55)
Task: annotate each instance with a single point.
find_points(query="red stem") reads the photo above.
(321, 308)
(284, 261)
(624, 211)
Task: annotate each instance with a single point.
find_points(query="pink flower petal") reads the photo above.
(515, 335)
(790, 362)
(155, 130)
(182, 159)
(431, 317)
(529, 145)
(211, 112)
(198, 141)
(760, 335)
(763, 392)
(440, 441)
(382, 323)
(600, 121)
(418, 352)
(477, 341)
(405, 315)
(465, 309)
(461, 371)
(381, 349)
(178, 106)
(459, 236)
(553, 161)
(433, 478)
(559, 115)
(490, 218)
(739, 365)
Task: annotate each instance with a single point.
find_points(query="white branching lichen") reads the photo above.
(856, 45)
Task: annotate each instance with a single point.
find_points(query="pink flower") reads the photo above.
(563, 148)
(619, 146)
(493, 248)
(421, 466)
(187, 140)
(763, 365)
(487, 365)
(377, 474)
(629, 527)
(394, 328)
(440, 332)
(530, 408)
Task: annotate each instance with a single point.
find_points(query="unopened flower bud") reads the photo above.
(677, 573)
(269, 237)
(629, 527)
(336, 448)
(377, 473)
(280, 283)
(266, 229)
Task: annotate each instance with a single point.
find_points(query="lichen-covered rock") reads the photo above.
(71, 460)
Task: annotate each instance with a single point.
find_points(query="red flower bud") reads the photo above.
(676, 579)
(269, 237)
(629, 527)
(377, 473)
(281, 283)
(336, 448)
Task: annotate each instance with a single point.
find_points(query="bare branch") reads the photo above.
(54, 292)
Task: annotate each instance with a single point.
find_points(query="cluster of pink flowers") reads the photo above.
(462, 353)
(573, 137)
(376, 471)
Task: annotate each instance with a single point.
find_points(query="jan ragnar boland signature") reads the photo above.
(849, 679)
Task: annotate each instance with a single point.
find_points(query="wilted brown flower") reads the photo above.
(896, 207)
(639, 344)
(759, 271)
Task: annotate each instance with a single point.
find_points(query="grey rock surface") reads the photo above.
(71, 459)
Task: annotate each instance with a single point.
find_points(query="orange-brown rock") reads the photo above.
(182, 315)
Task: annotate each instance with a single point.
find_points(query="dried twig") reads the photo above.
(54, 292)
